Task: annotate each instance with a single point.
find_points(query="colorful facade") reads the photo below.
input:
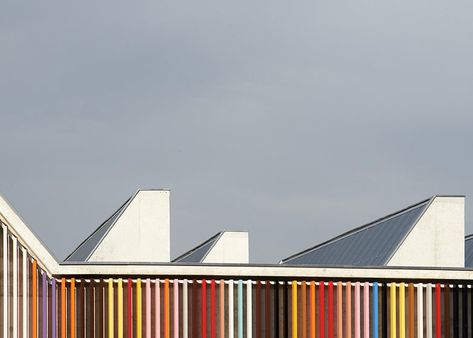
(41, 298)
(38, 305)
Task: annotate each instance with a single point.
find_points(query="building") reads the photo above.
(388, 278)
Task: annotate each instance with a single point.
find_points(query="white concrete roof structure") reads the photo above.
(224, 248)
(139, 231)
(429, 233)
(27, 239)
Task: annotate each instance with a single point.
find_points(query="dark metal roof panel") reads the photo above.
(371, 245)
(469, 251)
(198, 254)
(88, 246)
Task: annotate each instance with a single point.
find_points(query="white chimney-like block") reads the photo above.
(231, 247)
(438, 238)
(141, 233)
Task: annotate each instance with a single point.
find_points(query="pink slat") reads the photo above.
(157, 300)
(357, 310)
(148, 308)
(176, 308)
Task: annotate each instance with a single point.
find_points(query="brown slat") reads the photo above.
(258, 309)
(410, 295)
(267, 304)
(447, 314)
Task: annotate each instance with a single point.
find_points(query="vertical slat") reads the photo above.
(5, 280)
(249, 314)
(157, 304)
(330, 309)
(321, 309)
(81, 320)
(44, 315)
(240, 309)
(438, 313)
(139, 320)
(110, 308)
(176, 307)
(63, 308)
(366, 310)
(455, 319)
(25, 293)
(91, 309)
(420, 311)
(384, 305)
(294, 309)
(15, 288)
(428, 306)
(230, 309)
(213, 315)
(195, 323)
(393, 309)
(130, 308)
(375, 310)
(166, 309)
(464, 311)
(267, 300)
(411, 322)
(222, 309)
(258, 310)
(148, 307)
(203, 305)
(120, 308)
(357, 310)
(34, 299)
(312, 310)
(348, 310)
(402, 310)
(276, 310)
(304, 309)
(73, 308)
(469, 303)
(53, 309)
(339, 309)
(99, 318)
(185, 311)
(447, 312)
(285, 313)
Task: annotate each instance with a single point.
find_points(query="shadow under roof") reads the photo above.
(370, 245)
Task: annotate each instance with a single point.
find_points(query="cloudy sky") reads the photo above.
(293, 120)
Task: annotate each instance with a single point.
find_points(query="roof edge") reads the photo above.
(26, 237)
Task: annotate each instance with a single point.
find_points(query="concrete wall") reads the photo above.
(231, 247)
(437, 240)
(141, 233)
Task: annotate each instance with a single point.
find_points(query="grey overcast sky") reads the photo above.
(295, 120)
